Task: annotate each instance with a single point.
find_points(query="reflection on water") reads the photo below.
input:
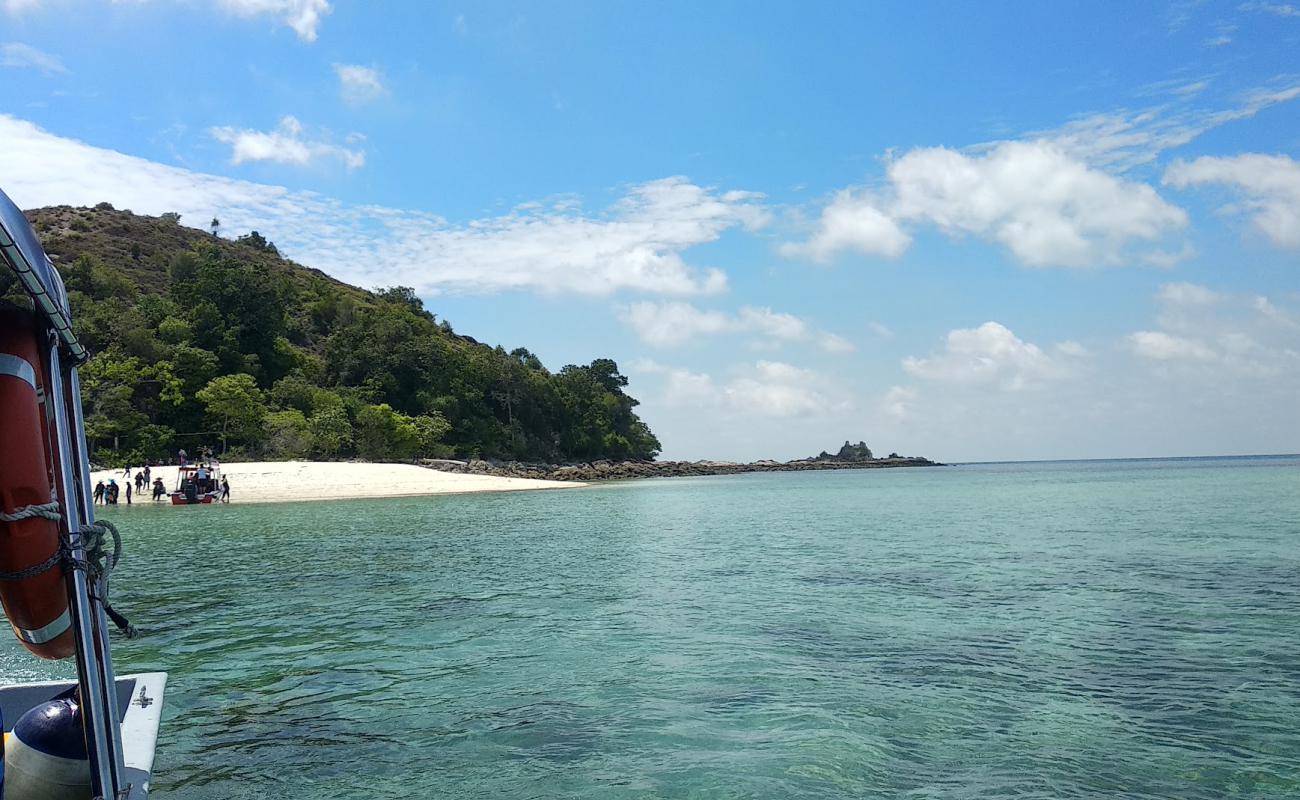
(1037, 631)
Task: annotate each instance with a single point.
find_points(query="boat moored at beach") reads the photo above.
(197, 484)
(93, 737)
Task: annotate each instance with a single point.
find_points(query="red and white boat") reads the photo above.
(197, 484)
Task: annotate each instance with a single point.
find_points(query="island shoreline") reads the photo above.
(602, 470)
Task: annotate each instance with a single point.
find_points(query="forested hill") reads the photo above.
(199, 339)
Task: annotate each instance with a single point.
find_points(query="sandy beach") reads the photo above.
(287, 481)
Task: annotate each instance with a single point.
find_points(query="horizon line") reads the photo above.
(1125, 458)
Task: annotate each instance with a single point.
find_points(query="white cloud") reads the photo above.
(1270, 184)
(18, 56)
(304, 16)
(987, 354)
(852, 221)
(681, 387)
(637, 244)
(1216, 372)
(671, 324)
(18, 6)
(1268, 311)
(897, 403)
(284, 145)
(1163, 347)
(359, 84)
(1053, 198)
(1277, 9)
(1045, 206)
(764, 389)
(776, 390)
(1187, 294)
(1237, 334)
(1124, 140)
(881, 329)
(834, 343)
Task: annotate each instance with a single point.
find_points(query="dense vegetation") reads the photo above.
(199, 340)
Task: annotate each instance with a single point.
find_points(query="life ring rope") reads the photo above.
(98, 563)
(47, 510)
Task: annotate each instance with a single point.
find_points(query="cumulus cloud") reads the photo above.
(671, 324)
(1053, 198)
(1216, 371)
(359, 84)
(284, 145)
(636, 244)
(764, 389)
(17, 55)
(852, 221)
(304, 16)
(1270, 186)
(989, 354)
(1045, 206)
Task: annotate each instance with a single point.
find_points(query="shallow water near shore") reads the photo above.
(1053, 630)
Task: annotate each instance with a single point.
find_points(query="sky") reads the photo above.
(993, 231)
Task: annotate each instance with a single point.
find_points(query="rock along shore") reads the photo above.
(620, 470)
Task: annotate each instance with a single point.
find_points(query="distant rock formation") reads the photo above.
(620, 470)
(850, 453)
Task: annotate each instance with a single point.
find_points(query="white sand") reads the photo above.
(283, 481)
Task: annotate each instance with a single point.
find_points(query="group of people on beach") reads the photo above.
(108, 494)
(205, 479)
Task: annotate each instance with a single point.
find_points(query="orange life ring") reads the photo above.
(37, 606)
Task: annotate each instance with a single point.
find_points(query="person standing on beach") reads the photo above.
(110, 493)
(158, 489)
(225, 490)
(128, 493)
(99, 493)
(146, 475)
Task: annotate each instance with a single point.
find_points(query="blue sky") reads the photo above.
(973, 232)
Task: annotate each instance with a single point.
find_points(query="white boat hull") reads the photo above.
(139, 701)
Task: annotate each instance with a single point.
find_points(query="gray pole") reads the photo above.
(81, 465)
(94, 711)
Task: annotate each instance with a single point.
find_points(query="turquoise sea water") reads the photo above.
(1057, 630)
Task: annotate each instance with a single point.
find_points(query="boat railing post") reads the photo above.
(80, 464)
(94, 710)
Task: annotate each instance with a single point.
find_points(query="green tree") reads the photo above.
(235, 404)
(383, 433)
(288, 436)
(331, 431)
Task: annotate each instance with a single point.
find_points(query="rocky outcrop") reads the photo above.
(622, 470)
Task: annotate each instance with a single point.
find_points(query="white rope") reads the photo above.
(47, 510)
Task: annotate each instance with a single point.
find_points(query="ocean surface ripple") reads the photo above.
(1067, 630)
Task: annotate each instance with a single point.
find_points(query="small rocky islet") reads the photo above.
(850, 456)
